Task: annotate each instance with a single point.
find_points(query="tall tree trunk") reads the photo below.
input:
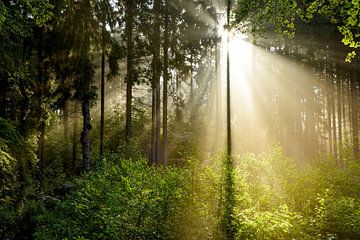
(40, 151)
(323, 106)
(228, 97)
(41, 81)
(217, 86)
(102, 93)
(166, 79)
(85, 135)
(158, 121)
(24, 105)
(329, 108)
(333, 110)
(191, 78)
(355, 114)
(343, 102)
(339, 107)
(74, 137)
(153, 123)
(156, 84)
(349, 89)
(130, 66)
(67, 155)
(66, 120)
(310, 142)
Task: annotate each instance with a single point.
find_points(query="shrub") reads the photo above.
(127, 201)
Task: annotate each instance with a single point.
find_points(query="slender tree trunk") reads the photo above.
(311, 142)
(24, 108)
(41, 81)
(153, 124)
(323, 106)
(328, 110)
(74, 137)
(158, 122)
(339, 107)
(228, 97)
(343, 102)
(217, 87)
(349, 89)
(156, 85)
(166, 79)
(40, 152)
(191, 78)
(102, 95)
(130, 66)
(333, 110)
(355, 114)
(85, 135)
(66, 120)
(67, 155)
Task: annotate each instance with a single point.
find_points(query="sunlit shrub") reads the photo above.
(278, 199)
(201, 206)
(127, 201)
(337, 218)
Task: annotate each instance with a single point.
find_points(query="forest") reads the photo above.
(179, 119)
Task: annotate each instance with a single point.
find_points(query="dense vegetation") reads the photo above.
(115, 117)
(126, 198)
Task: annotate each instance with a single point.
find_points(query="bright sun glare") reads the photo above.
(241, 53)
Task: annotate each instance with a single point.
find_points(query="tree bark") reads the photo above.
(40, 152)
(217, 86)
(339, 107)
(191, 79)
(156, 85)
(85, 135)
(130, 66)
(166, 79)
(228, 97)
(333, 110)
(354, 114)
(74, 138)
(41, 81)
(66, 120)
(328, 109)
(102, 95)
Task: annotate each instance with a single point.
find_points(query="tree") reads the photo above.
(129, 12)
(106, 17)
(82, 70)
(166, 80)
(156, 68)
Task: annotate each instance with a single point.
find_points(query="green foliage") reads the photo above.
(251, 16)
(17, 160)
(40, 10)
(201, 207)
(271, 197)
(277, 199)
(343, 14)
(127, 201)
(3, 13)
(7, 174)
(337, 218)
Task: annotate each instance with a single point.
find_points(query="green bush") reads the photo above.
(127, 201)
(337, 218)
(278, 199)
